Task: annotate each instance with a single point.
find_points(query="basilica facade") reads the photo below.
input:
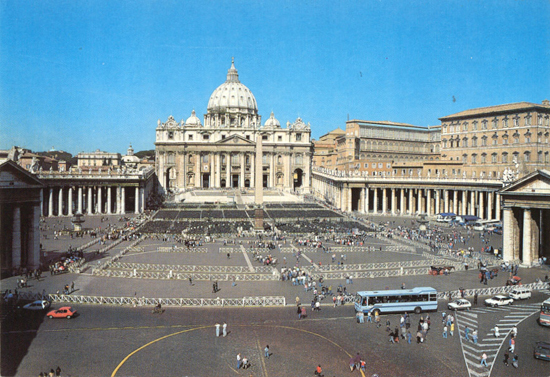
(221, 151)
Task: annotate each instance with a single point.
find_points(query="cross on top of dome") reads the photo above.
(232, 74)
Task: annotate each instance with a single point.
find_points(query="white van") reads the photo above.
(520, 293)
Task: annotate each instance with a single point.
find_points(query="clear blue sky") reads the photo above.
(86, 75)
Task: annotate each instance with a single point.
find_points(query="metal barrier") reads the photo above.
(371, 274)
(188, 268)
(490, 291)
(386, 265)
(182, 250)
(171, 275)
(180, 302)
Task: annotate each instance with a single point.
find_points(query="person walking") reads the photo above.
(466, 333)
(224, 329)
(475, 298)
(217, 329)
(452, 329)
(266, 351)
(514, 331)
(445, 332)
(497, 331)
(369, 317)
(506, 358)
(484, 359)
(409, 337)
(474, 336)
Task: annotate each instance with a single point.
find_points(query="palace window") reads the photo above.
(465, 126)
(484, 124)
(528, 120)
(546, 158)
(474, 158)
(484, 141)
(444, 143)
(516, 138)
(464, 158)
(264, 137)
(539, 119)
(527, 136)
(474, 125)
(516, 121)
(298, 137)
(483, 158)
(190, 137)
(539, 157)
(205, 137)
(464, 142)
(452, 129)
(279, 138)
(527, 157)
(374, 165)
(495, 123)
(494, 158)
(505, 122)
(170, 135)
(474, 141)
(444, 127)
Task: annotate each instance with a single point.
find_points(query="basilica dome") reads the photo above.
(232, 95)
(272, 122)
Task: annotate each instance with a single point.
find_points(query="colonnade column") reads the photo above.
(16, 237)
(99, 200)
(136, 204)
(393, 201)
(89, 200)
(429, 202)
(80, 199)
(490, 205)
(109, 200)
(367, 200)
(142, 195)
(60, 202)
(375, 209)
(384, 201)
(419, 204)
(446, 198)
(402, 206)
(50, 203)
(123, 200)
(41, 202)
(455, 202)
(117, 199)
(481, 204)
(362, 201)
(70, 201)
(464, 202)
(527, 237)
(497, 209)
(472, 203)
(410, 206)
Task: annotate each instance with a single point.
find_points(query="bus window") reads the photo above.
(364, 302)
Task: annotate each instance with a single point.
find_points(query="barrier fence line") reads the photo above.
(180, 302)
(188, 268)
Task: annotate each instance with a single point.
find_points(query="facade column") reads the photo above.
(527, 256)
(89, 200)
(136, 204)
(60, 202)
(243, 157)
(142, 195)
(42, 202)
(375, 204)
(16, 237)
(228, 170)
(70, 201)
(117, 198)
(367, 199)
(497, 209)
(429, 202)
(123, 200)
(33, 250)
(446, 198)
(99, 200)
(79, 199)
(393, 201)
(410, 204)
(419, 203)
(464, 202)
(218, 171)
(272, 171)
(50, 203)
(384, 201)
(109, 200)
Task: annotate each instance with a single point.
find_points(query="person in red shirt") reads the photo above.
(319, 371)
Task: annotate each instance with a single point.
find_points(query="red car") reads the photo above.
(63, 312)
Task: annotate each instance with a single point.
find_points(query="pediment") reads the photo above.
(537, 182)
(14, 176)
(235, 139)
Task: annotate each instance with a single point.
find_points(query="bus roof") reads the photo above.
(447, 214)
(392, 292)
(469, 217)
(547, 302)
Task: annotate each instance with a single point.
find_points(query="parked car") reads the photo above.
(542, 351)
(499, 300)
(63, 312)
(37, 305)
(460, 304)
(520, 293)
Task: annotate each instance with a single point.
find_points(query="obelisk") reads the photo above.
(259, 185)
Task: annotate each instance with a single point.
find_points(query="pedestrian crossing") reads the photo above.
(488, 342)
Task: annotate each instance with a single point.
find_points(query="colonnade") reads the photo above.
(526, 234)
(69, 200)
(377, 199)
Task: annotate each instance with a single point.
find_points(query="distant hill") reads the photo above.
(58, 155)
(150, 154)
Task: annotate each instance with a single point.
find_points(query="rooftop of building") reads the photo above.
(491, 110)
(389, 124)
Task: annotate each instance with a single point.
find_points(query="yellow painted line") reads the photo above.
(262, 357)
(152, 342)
(204, 327)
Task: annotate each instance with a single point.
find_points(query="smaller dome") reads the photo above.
(272, 122)
(193, 120)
